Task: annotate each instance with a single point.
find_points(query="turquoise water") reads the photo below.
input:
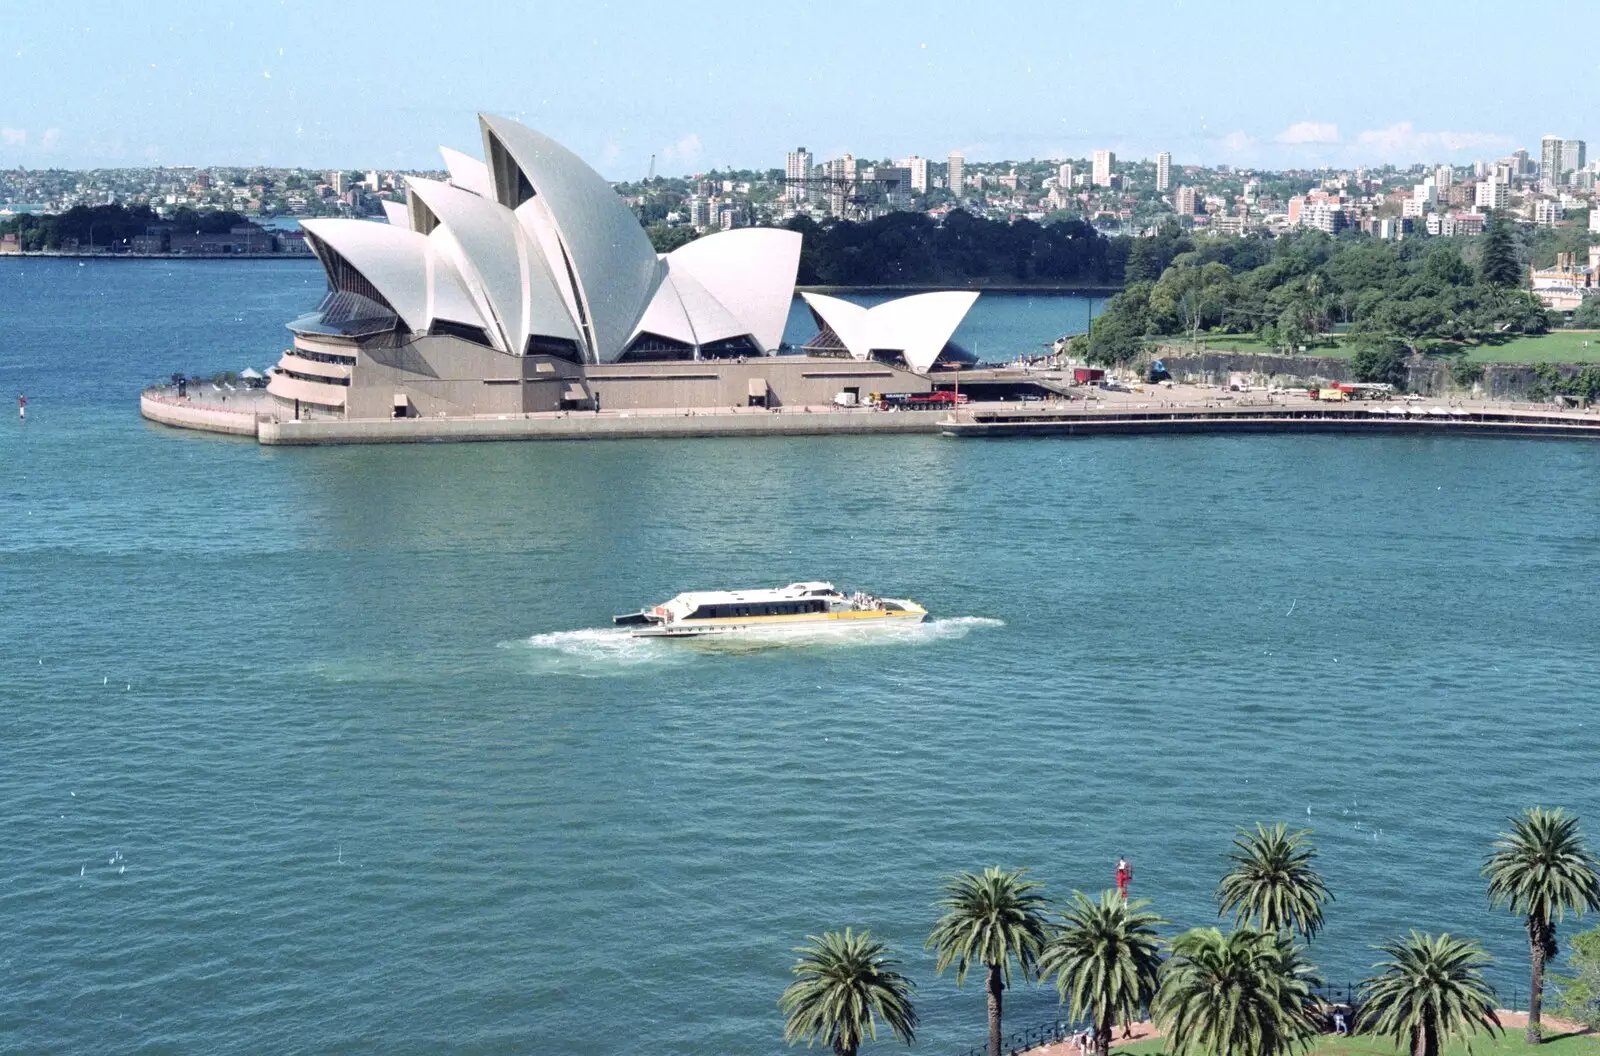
(331, 750)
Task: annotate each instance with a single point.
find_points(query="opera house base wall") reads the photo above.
(451, 390)
(582, 425)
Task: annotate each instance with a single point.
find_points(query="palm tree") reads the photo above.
(992, 920)
(1244, 994)
(843, 984)
(1541, 869)
(1272, 884)
(1430, 990)
(1106, 959)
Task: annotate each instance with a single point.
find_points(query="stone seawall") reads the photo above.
(1431, 377)
(205, 417)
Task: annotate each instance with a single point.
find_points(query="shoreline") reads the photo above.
(249, 417)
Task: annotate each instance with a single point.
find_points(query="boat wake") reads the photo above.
(600, 652)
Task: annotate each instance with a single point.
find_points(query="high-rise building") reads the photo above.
(340, 182)
(1521, 163)
(1444, 175)
(1163, 170)
(919, 173)
(1104, 162)
(1064, 176)
(1491, 195)
(957, 175)
(841, 172)
(797, 166)
(1574, 155)
(1550, 158)
(1185, 200)
(372, 181)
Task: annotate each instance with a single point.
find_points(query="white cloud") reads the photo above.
(50, 140)
(685, 151)
(1309, 132)
(14, 137)
(1236, 142)
(1402, 142)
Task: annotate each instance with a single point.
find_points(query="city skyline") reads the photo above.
(185, 86)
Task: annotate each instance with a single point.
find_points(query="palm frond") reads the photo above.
(1431, 988)
(1249, 993)
(1273, 884)
(844, 984)
(1542, 868)
(992, 920)
(1105, 957)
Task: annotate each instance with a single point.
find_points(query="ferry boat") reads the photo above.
(817, 606)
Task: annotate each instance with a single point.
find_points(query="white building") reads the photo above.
(1104, 162)
(919, 173)
(957, 174)
(1163, 170)
(1491, 195)
(1064, 176)
(1550, 159)
(797, 166)
(1546, 211)
(1185, 201)
(1574, 156)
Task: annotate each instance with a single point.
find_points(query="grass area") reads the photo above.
(1508, 1044)
(1559, 346)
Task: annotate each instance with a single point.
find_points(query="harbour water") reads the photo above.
(332, 750)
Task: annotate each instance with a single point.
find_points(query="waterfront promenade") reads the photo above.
(1181, 410)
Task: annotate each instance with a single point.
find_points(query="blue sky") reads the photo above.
(357, 84)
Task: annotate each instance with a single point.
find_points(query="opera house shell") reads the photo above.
(514, 286)
(911, 331)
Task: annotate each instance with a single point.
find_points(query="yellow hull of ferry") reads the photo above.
(851, 619)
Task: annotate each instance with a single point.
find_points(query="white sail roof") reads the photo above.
(750, 272)
(467, 172)
(392, 259)
(918, 327)
(396, 213)
(500, 260)
(613, 264)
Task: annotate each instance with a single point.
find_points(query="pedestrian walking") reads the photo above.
(1124, 875)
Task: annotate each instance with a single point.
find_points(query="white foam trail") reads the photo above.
(599, 651)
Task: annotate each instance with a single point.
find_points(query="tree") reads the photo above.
(1578, 994)
(1378, 363)
(843, 985)
(1273, 884)
(1429, 991)
(665, 239)
(1497, 263)
(993, 920)
(1106, 959)
(1542, 869)
(1244, 994)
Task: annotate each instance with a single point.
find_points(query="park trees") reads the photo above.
(1106, 960)
(994, 920)
(1542, 869)
(1431, 989)
(1273, 883)
(844, 984)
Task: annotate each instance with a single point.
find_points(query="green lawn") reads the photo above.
(1560, 346)
(1507, 1044)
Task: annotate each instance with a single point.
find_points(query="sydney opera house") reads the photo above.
(524, 283)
